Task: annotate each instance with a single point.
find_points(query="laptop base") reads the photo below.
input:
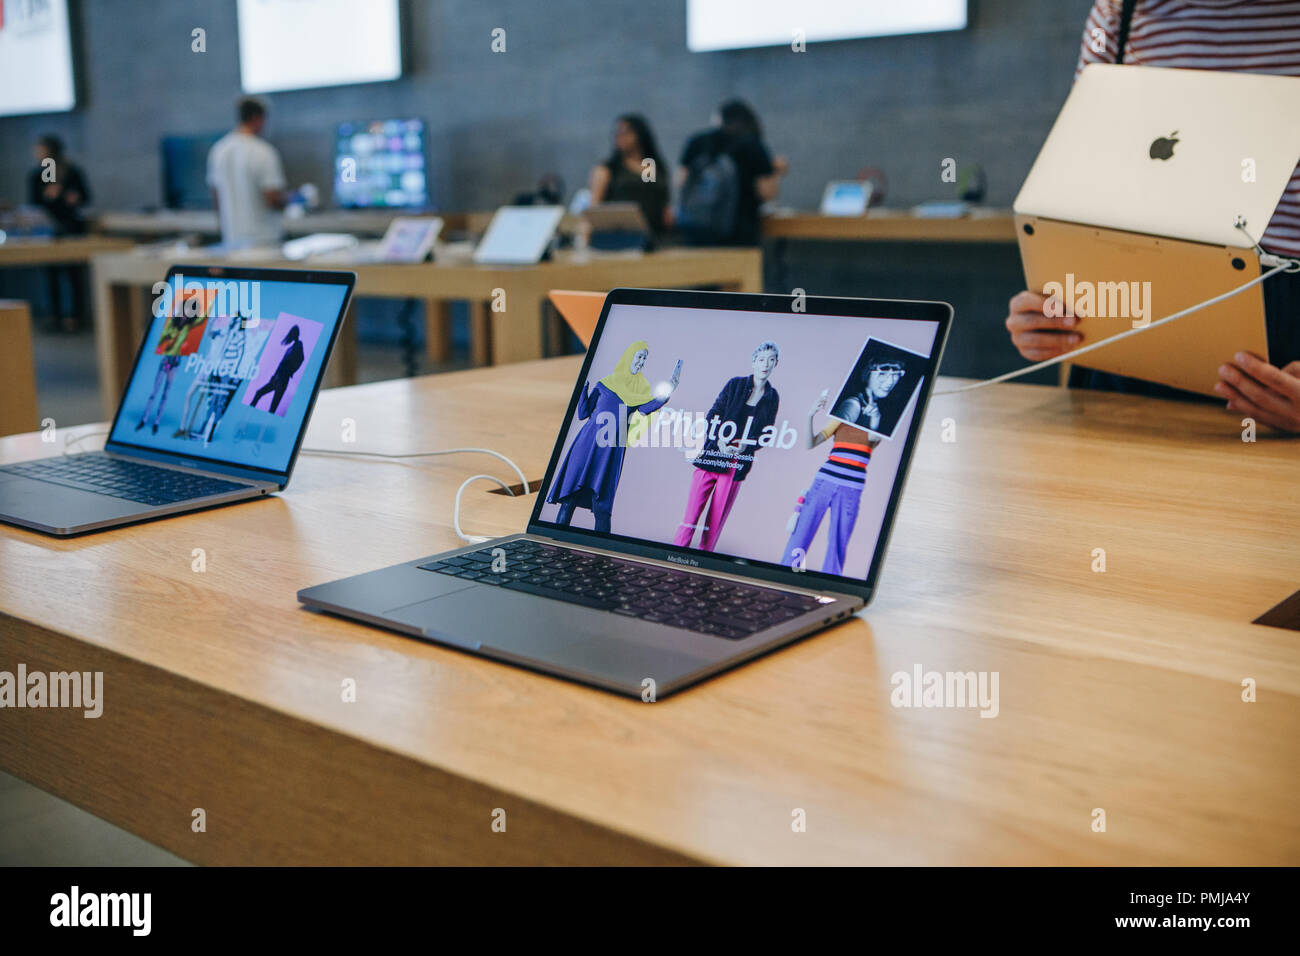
(599, 648)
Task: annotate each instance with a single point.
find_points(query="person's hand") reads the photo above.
(53, 190)
(872, 411)
(73, 197)
(1261, 391)
(1039, 328)
(819, 404)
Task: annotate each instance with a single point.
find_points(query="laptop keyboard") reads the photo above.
(696, 602)
(119, 478)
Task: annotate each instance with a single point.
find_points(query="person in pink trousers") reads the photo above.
(749, 404)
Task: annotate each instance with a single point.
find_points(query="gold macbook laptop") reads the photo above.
(1129, 212)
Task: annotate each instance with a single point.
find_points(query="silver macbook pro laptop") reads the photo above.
(723, 483)
(214, 410)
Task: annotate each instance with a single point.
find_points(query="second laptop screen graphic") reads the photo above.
(745, 434)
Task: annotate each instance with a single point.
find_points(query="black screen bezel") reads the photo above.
(234, 273)
(792, 306)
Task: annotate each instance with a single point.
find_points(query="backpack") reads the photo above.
(706, 208)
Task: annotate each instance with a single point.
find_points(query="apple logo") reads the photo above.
(1162, 147)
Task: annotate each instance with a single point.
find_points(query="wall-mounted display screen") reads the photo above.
(299, 44)
(734, 24)
(380, 163)
(35, 57)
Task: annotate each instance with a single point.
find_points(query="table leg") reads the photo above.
(342, 368)
(481, 332)
(437, 330)
(517, 331)
(553, 329)
(119, 319)
(18, 412)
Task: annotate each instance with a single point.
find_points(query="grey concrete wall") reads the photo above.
(987, 94)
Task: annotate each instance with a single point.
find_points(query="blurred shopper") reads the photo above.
(726, 174)
(247, 181)
(57, 185)
(634, 172)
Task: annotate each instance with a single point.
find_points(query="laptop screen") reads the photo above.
(228, 368)
(765, 436)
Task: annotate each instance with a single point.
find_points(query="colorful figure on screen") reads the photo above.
(878, 381)
(172, 344)
(207, 357)
(837, 489)
(289, 364)
(748, 404)
(224, 379)
(617, 411)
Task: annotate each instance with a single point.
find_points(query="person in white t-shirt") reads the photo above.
(247, 181)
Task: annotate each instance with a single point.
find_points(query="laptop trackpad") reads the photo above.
(569, 637)
(56, 506)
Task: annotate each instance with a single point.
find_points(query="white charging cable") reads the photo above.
(72, 441)
(424, 454)
(1278, 263)
(455, 511)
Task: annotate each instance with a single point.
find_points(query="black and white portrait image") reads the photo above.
(878, 388)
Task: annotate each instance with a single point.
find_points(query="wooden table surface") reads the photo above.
(204, 222)
(507, 303)
(1119, 690)
(895, 225)
(50, 252)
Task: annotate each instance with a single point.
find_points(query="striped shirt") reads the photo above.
(846, 464)
(1245, 36)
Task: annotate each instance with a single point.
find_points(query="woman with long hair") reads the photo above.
(633, 172)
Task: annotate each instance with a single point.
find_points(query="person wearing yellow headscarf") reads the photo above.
(617, 411)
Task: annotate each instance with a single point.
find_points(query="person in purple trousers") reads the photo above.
(836, 490)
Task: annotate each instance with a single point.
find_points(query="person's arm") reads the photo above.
(769, 187)
(813, 437)
(272, 181)
(75, 192)
(647, 408)
(598, 183)
(211, 179)
(850, 409)
(767, 172)
(587, 404)
(1038, 329)
(1100, 42)
(1261, 391)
